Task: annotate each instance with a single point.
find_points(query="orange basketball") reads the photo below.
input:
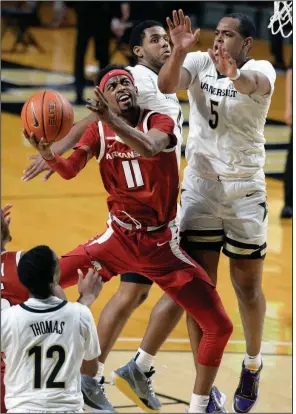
(47, 114)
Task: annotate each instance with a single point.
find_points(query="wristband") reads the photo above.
(53, 160)
(238, 73)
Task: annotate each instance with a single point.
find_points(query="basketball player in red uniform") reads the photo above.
(13, 292)
(137, 155)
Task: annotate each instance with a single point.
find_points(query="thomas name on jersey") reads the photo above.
(217, 91)
(46, 327)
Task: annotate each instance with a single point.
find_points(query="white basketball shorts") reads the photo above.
(228, 214)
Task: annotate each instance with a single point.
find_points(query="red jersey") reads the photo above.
(12, 291)
(144, 188)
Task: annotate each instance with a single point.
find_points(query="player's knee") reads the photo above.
(132, 295)
(248, 294)
(224, 328)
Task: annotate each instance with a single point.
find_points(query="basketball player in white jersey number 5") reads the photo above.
(223, 192)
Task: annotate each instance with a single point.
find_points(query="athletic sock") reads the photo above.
(100, 372)
(198, 403)
(253, 363)
(144, 360)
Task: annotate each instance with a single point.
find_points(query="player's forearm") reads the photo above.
(76, 132)
(135, 139)
(70, 167)
(169, 76)
(248, 83)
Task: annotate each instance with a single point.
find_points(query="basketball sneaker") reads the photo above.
(137, 386)
(94, 395)
(216, 402)
(246, 394)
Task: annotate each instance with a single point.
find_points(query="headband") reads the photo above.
(115, 72)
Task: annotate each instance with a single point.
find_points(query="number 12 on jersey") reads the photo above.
(133, 174)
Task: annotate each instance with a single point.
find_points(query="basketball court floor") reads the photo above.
(63, 214)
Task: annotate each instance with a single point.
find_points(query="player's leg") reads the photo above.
(132, 292)
(134, 378)
(188, 284)
(245, 245)
(202, 302)
(163, 319)
(202, 234)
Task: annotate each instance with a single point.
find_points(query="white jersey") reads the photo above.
(150, 97)
(45, 342)
(226, 128)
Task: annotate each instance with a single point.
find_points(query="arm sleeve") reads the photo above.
(195, 62)
(6, 334)
(90, 335)
(165, 124)
(91, 139)
(68, 168)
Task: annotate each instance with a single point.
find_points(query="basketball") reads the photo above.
(47, 114)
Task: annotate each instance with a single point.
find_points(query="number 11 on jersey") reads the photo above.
(133, 174)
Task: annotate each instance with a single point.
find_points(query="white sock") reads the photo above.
(100, 372)
(253, 363)
(198, 403)
(144, 360)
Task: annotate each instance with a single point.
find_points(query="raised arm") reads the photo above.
(76, 132)
(67, 168)
(60, 147)
(146, 144)
(247, 82)
(172, 77)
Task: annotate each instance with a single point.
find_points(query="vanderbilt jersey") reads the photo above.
(150, 97)
(226, 128)
(44, 342)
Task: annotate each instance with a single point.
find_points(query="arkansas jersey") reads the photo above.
(145, 189)
(12, 291)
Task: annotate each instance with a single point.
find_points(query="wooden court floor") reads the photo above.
(63, 214)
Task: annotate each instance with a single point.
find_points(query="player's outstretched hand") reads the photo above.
(42, 146)
(223, 62)
(89, 286)
(180, 31)
(36, 167)
(100, 106)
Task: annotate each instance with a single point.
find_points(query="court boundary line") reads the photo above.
(186, 340)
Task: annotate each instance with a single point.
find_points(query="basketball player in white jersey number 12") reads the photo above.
(223, 192)
(46, 342)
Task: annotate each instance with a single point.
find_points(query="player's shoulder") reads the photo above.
(12, 257)
(153, 119)
(199, 57)
(254, 64)
(83, 310)
(143, 76)
(9, 313)
(141, 71)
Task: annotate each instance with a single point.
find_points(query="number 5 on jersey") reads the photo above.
(132, 173)
(213, 121)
